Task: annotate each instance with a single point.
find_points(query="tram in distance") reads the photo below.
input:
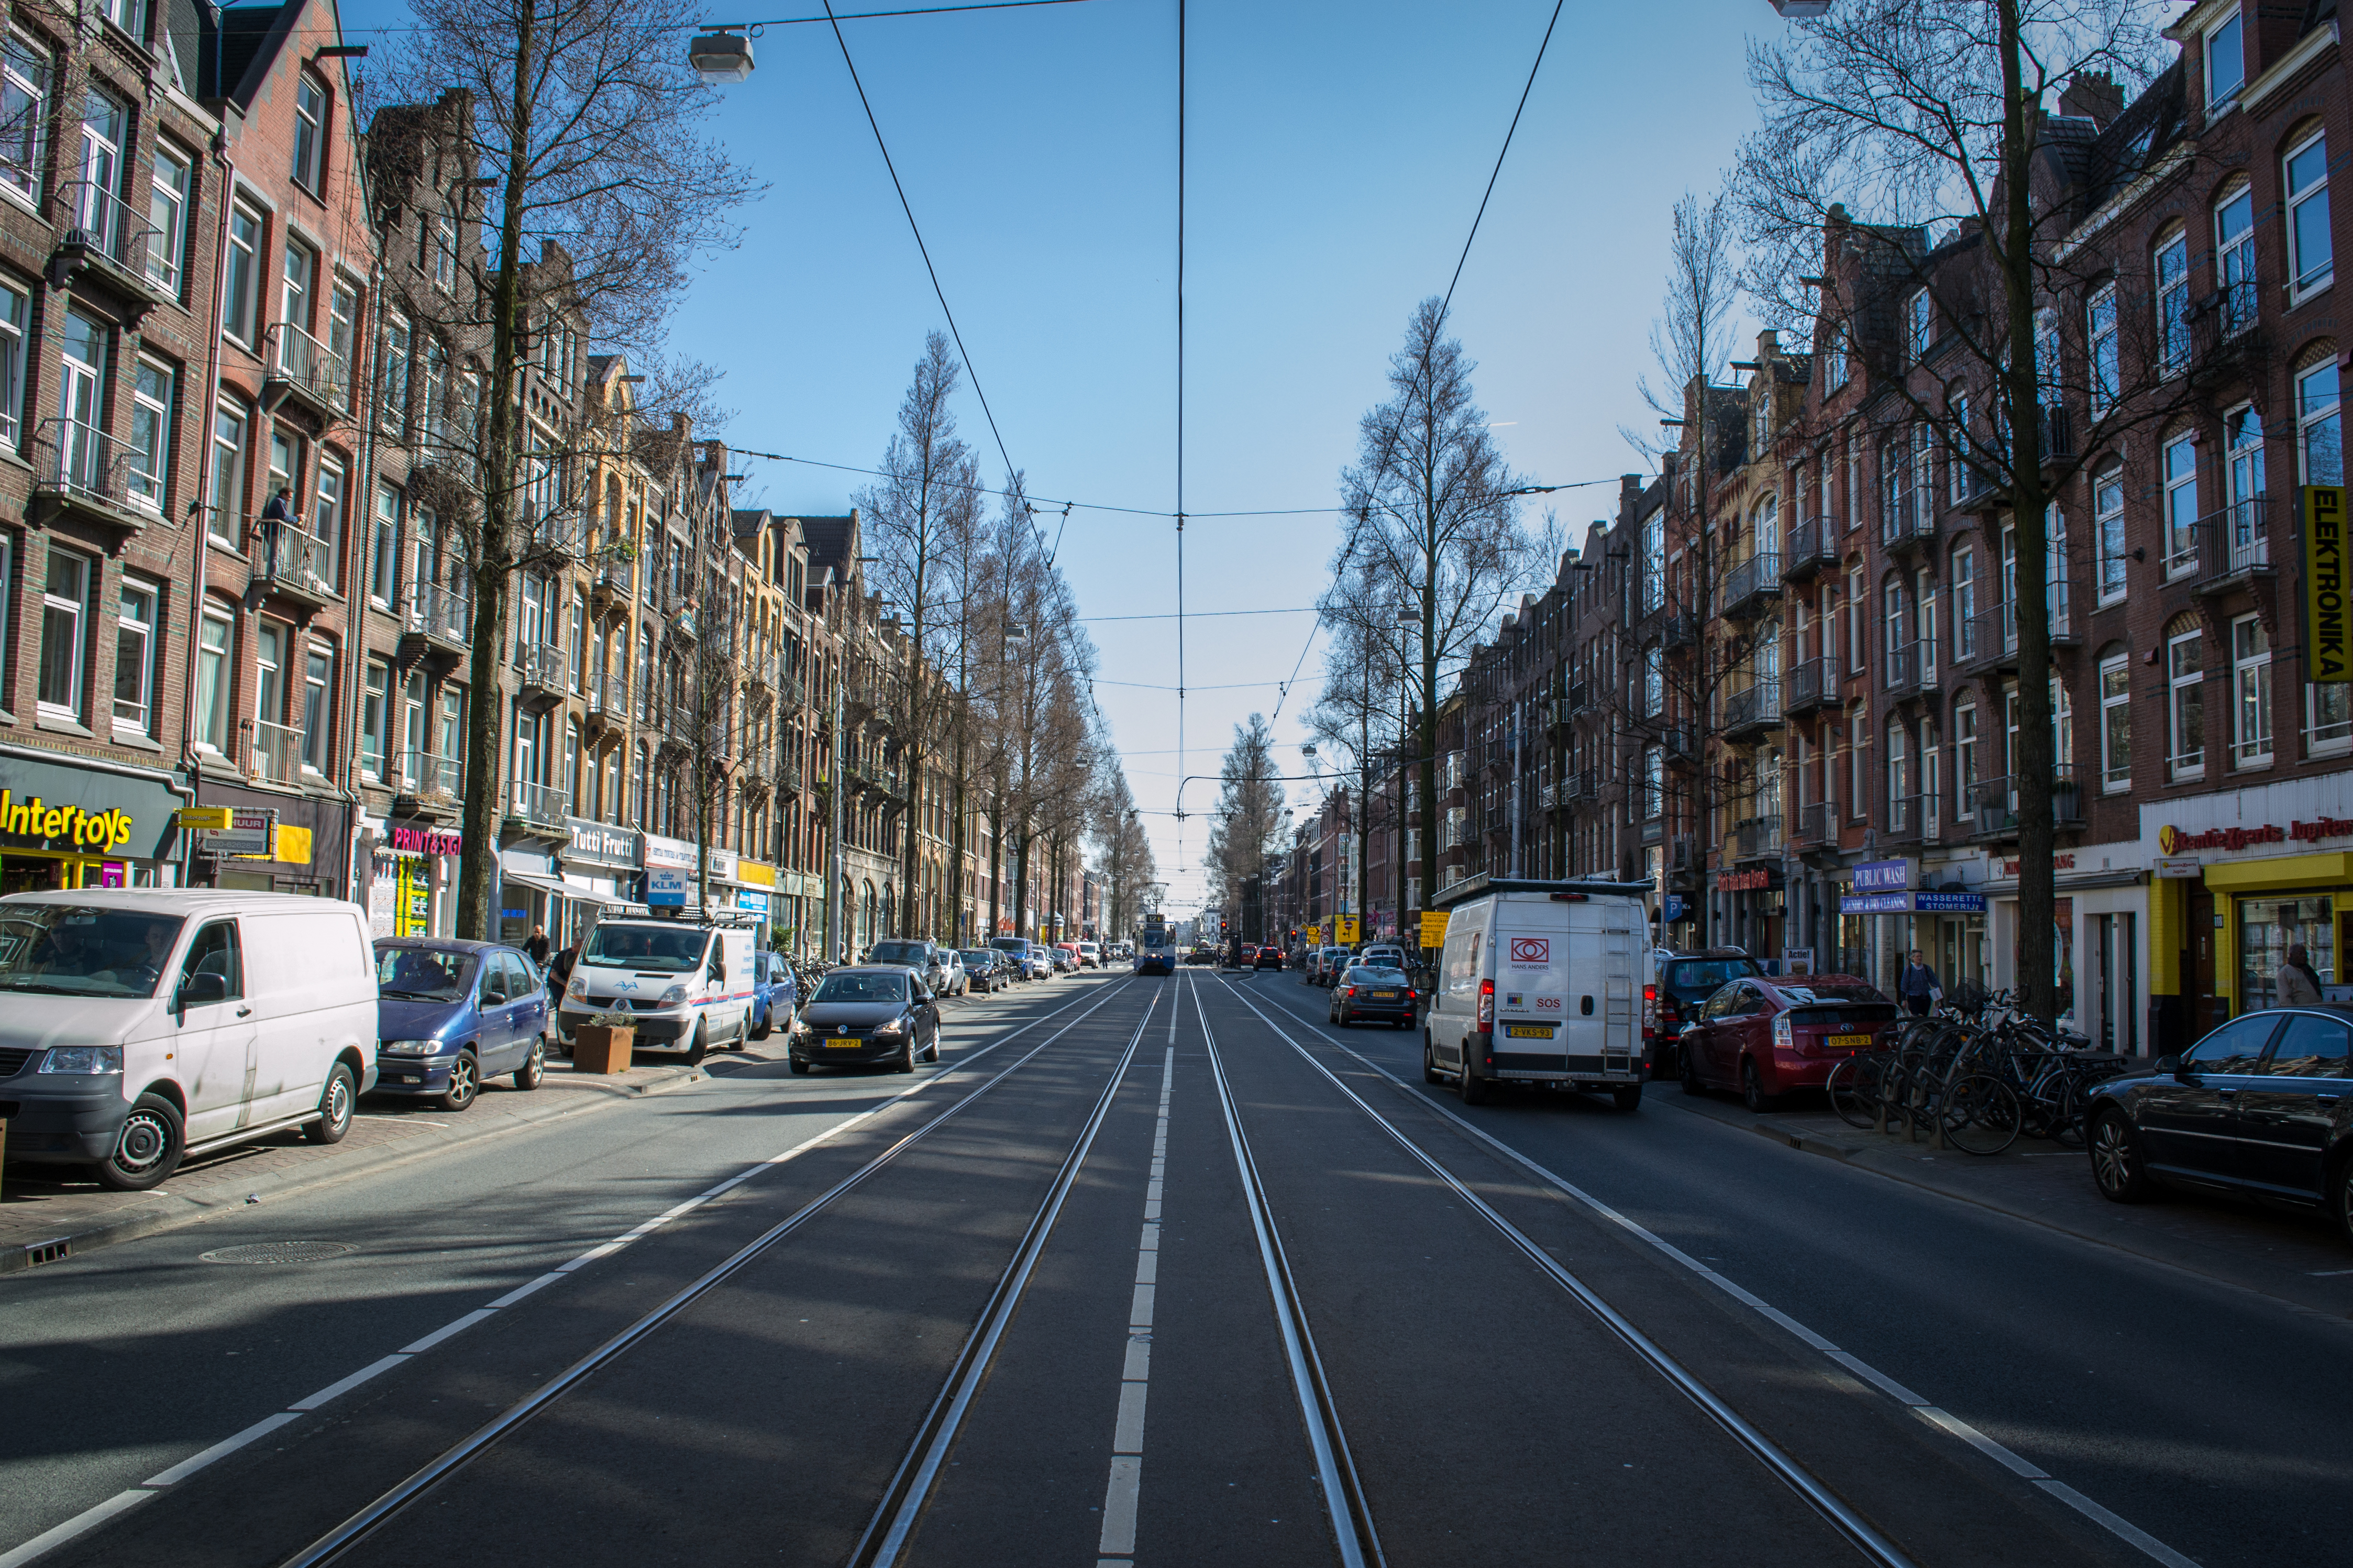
(1155, 949)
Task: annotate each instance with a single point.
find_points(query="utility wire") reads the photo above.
(1180, 413)
(1501, 153)
(763, 22)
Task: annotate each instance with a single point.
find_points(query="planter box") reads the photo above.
(602, 1050)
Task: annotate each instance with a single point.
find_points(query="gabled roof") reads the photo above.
(236, 47)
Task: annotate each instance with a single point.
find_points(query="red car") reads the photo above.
(1767, 1037)
(1249, 954)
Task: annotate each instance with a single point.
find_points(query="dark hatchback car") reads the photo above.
(1767, 1037)
(450, 1014)
(1267, 957)
(2262, 1106)
(985, 973)
(1369, 996)
(1685, 981)
(879, 1013)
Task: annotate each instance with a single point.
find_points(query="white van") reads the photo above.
(687, 984)
(141, 1025)
(1543, 982)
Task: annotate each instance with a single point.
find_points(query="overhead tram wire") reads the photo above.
(762, 22)
(1180, 415)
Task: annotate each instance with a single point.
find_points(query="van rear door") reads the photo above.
(1534, 1013)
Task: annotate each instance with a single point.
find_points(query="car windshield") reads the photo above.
(72, 950)
(422, 973)
(1831, 991)
(910, 953)
(653, 949)
(1010, 945)
(974, 956)
(1362, 976)
(1704, 974)
(863, 988)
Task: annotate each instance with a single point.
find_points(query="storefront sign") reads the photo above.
(602, 844)
(1743, 882)
(1875, 904)
(1797, 961)
(2174, 841)
(2065, 862)
(1882, 876)
(2179, 865)
(753, 899)
(756, 873)
(248, 833)
(2328, 637)
(40, 822)
(665, 888)
(1912, 904)
(1950, 903)
(208, 818)
(679, 855)
(427, 841)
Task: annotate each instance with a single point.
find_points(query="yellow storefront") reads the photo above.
(65, 826)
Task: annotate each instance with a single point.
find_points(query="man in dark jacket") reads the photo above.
(1917, 985)
(275, 516)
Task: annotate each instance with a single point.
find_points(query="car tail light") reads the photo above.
(1486, 1005)
(1347, 991)
(1649, 1012)
(1411, 997)
(1783, 1035)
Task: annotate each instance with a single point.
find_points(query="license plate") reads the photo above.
(843, 1045)
(1850, 1042)
(1528, 1031)
(1384, 995)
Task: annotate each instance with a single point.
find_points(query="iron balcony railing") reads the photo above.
(1906, 819)
(1681, 630)
(277, 752)
(424, 774)
(1753, 582)
(1817, 824)
(1813, 544)
(2229, 543)
(290, 558)
(85, 462)
(1995, 801)
(1757, 708)
(538, 802)
(1911, 668)
(617, 576)
(1810, 684)
(1757, 838)
(1993, 638)
(103, 225)
(310, 366)
(441, 612)
(542, 664)
(1907, 518)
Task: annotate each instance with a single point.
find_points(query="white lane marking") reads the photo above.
(1126, 1487)
(58, 1535)
(346, 1384)
(606, 1249)
(519, 1291)
(448, 1330)
(2125, 1530)
(220, 1450)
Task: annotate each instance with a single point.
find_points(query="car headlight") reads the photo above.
(579, 986)
(892, 1028)
(673, 996)
(83, 1059)
(411, 1048)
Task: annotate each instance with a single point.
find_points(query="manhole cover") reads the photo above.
(280, 1252)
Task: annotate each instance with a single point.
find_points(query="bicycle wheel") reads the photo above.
(1853, 1088)
(2067, 1117)
(1980, 1115)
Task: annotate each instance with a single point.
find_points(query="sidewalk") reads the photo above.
(2277, 1251)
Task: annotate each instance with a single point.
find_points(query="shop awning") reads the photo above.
(2072, 881)
(548, 885)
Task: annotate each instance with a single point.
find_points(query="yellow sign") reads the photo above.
(37, 819)
(754, 873)
(1347, 931)
(1433, 930)
(2328, 637)
(203, 818)
(291, 846)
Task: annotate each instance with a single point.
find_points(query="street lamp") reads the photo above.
(1802, 10)
(720, 57)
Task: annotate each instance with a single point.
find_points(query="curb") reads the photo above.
(132, 1225)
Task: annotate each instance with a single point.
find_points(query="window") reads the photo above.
(394, 388)
(1654, 783)
(2244, 457)
(294, 294)
(2234, 257)
(1965, 603)
(2108, 528)
(383, 543)
(1654, 561)
(1858, 765)
(1763, 421)
(436, 410)
(375, 719)
(2100, 348)
(1857, 608)
(412, 730)
(574, 645)
(269, 672)
(2250, 679)
(1958, 479)
(1964, 751)
(2311, 257)
(1834, 358)
(453, 722)
(2063, 730)
(342, 312)
(2226, 63)
(167, 213)
(136, 648)
(327, 520)
(2319, 435)
(2116, 723)
(97, 212)
(309, 133)
(82, 404)
(65, 598)
(1654, 681)
(2172, 267)
(151, 435)
(23, 114)
(318, 681)
(1896, 613)
(212, 682)
(2186, 707)
(2327, 717)
(1919, 324)
(1899, 776)
(237, 304)
(2178, 466)
(12, 364)
(445, 253)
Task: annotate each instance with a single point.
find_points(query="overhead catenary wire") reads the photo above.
(762, 22)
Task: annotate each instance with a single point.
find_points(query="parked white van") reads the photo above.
(1543, 982)
(685, 984)
(141, 1025)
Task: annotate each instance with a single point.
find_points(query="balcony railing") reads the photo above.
(1809, 685)
(1817, 825)
(1681, 630)
(277, 752)
(308, 368)
(103, 225)
(441, 613)
(1753, 710)
(1812, 545)
(1995, 801)
(1584, 784)
(616, 577)
(1753, 583)
(2231, 543)
(1759, 838)
(1911, 668)
(1906, 818)
(542, 666)
(431, 777)
(294, 562)
(538, 803)
(1908, 519)
(83, 463)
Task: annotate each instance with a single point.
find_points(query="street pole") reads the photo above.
(833, 856)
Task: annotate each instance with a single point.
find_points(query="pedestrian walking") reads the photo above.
(1917, 986)
(2299, 986)
(537, 947)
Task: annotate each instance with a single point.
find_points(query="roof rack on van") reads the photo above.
(674, 915)
(1479, 887)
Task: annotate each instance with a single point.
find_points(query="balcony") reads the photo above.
(788, 775)
(1911, 670)
(1816, 828)
(545, 674)
(1680, 630)
(614, 585)
(429, 785)
(1909, 523)
(538, 805)
(304, 372)
(2233, 547)
(1759, 838)
(1904, 820)
(1580, 788)
(296, 565)
(1754, 586)
(2058, 431)
(1680, 743)
(1811, 684)
(274, 753)
(107, 236)
(1749, 715)
(438, 622)
(82, 470)
(1995, 803)
(1812, 547)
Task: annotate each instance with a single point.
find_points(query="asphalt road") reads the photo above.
(1158, 1271)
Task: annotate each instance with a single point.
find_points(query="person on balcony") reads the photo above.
(275, 515)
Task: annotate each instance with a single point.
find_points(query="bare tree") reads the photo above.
(1248, 826)
(1359, 719)
(1690, 338)
(1124, 850)
(603, 190)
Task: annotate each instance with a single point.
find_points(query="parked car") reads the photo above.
(1768, 1037)
(1090, 955)
(1384, 955)
(1268, 957)
(871, 1013)
(1369, 995)
(450, 1014)
(1066, 957)
(2262, 1106)
(926, 957)
(959, 979)
(145, 1025)
(1016, 951)
(1246, 955)
(1041, 959)
(1687, 980)
(775, 991)
(1328, 963)
(687, 984)
(981, 970)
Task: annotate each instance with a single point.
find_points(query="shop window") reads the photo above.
(2115, 725)
(2251, 685)
(135, 648)
(2267, 929)
(2185, 757)
(2319, 432)
(212, 644)
(2327, 718)
(65, 605)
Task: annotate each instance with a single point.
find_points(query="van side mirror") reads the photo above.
(200, 988)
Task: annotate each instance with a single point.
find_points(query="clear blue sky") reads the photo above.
(1337, 153)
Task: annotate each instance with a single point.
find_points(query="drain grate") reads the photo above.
(280, 1252)
(39, 1252)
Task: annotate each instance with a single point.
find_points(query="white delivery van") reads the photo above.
(687, 984)
(141, 1025)
(1541, 983)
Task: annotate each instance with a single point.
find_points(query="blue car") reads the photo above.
(774, 993)
(450, 1014)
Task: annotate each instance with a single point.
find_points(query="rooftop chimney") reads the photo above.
(2093, 96)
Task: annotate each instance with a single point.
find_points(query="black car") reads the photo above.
(1268, 957)
(875, 1013)
(987, 972)
(1687, 980)
(2262, 1106)
(1367, 995)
